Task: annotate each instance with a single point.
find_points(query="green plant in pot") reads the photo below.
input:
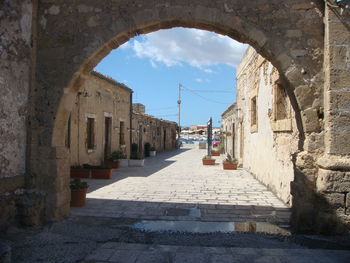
(230, 163)
(78, 192)
(147, 149)
(208, 160)
(153, 151)
(101, 172)
(136, 158)
(113, 160)
(79, 171)
(215, 152)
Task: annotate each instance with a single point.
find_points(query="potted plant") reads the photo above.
(113, 160)
(123, 160)
(147, 149)
(153, 151)
(136, 159)
(78, 171)
(101, 172)
(230, 163)
(78, 192)
(215, 152)
(208, 160)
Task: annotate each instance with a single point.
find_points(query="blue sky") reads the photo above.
(153, 65)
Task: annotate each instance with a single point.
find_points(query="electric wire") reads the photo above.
(210, 100)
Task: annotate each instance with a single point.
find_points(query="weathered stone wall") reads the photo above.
(160, 134)
(16, 203)
(333, 179)
(99, 97)
(268, 146)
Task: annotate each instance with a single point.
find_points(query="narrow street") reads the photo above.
(176, 186)
(175, 210)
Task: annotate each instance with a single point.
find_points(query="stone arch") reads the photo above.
(73, 37)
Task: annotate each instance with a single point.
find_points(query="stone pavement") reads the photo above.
(142, 253)
(176, 186)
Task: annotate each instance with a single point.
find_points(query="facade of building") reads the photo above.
(261, 125)
(228, 121)
(160, 134)
(100, 122)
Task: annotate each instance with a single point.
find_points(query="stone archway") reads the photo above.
(73, 37)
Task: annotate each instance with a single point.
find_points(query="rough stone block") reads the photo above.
(339, 79)
(338, 34)
(11, 184)
(295, 33)
(305, 96)
(335, 200)
(339, 100)
(347, 204)
(332, 181)
(339, 142)
(314, 142)
(310, 120)
(339, 57)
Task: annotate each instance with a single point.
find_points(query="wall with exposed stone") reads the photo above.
(17, 204)
(265, 146)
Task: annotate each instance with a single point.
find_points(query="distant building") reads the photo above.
(161, 134)
(138, 108)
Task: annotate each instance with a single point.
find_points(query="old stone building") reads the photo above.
(160, 134)
(228, 131)
(261, 125)
(49, 47)
(100, 121)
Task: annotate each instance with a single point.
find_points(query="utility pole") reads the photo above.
(179, 111)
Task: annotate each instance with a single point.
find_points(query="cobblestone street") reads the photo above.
(176, 186)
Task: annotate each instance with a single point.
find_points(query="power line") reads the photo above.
(168, 115)
(165, 108)
(215, 91)
(210, 100)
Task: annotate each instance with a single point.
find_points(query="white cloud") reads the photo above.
(198, 48)
(199, 80)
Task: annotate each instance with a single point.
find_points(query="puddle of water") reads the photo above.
(209, 227)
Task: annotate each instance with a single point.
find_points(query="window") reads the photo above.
(90, 134)
(122, 133)
(281, 103)
(68, 135)
(281, 117)
(253, 112)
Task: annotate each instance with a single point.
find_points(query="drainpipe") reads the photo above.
(130, 124)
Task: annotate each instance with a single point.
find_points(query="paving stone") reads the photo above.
(155, 191)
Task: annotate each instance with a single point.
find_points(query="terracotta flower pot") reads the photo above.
(208, 161)
(113, 164)
(78, 197)
(79, 173)
(215, 153)
(229, 166)
(101, 173)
